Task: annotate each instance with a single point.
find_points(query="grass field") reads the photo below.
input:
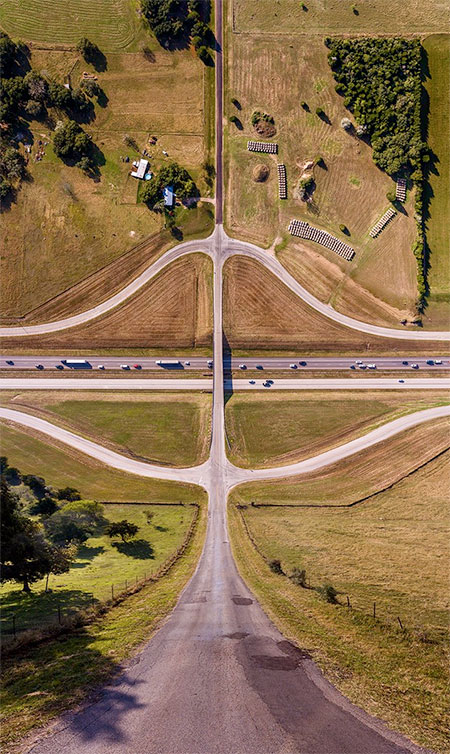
(338, 17)
(64, 467)
(171, 430)
(83, 660)
(174, 310)
(389, 550)
(438, 234)
(85, 224)
(261, 313)
(100, 563)
(303, 426)
(357, 477)
(275, 74)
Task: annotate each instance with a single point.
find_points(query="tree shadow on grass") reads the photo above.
(40, 609)
(139, 549)
(86, 554)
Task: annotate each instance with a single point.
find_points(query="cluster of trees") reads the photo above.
(257, 116)
(380, 80)
(42, 527)
(176, 21)
(25, 96)
(72, 143)
(170, 175)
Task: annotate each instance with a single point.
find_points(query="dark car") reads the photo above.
(39, 366)
(10, 362)
(302, 363)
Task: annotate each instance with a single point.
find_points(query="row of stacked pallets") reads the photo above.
(262, 146)
(382, 222)
(282, 181)
(302, 229)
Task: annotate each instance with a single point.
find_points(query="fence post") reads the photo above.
(14, 625)
(59, 613)
(401, 624)
(126, 584)
(374, 609)
(112, 591)
(348, 601)
(136, 579)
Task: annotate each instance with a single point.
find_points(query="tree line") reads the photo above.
(177, 22)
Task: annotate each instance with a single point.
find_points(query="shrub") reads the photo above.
(5, 188)
(343, 228)
(275, 566)
(320, 111)
(307, 183)
(298, 577)
(236, 102)
(328, 593)
(390, 196)
(71, 141)
(33, 108)
(123, 529)
(88, 49)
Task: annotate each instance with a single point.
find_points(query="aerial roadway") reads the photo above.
(187, 363)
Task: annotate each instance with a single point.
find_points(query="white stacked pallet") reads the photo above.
(382, 222)
(282, 182)
(262, 146)
(303, 229)
(400, 190)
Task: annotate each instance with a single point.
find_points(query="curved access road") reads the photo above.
(204, 474)
(219, 246)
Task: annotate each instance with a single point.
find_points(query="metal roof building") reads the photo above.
(169, 196)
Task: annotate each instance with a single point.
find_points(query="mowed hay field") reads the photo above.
(275, 74)
(391, 550)
(338, 17)
(437, 48)
(64, 226)
(301, 427)
(112, 24)
(260, 312)
(173, 310)
(172, 430)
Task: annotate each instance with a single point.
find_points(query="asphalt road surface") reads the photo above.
(195, 363)
(110, 383)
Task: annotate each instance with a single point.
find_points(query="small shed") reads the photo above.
(141, 169)
(169, 196)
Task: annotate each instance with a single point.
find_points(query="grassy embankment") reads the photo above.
(388, 550)
(86, 224)
(173, 310)
(171, 430)
(437, 48)
(303, 425)
(260, 312)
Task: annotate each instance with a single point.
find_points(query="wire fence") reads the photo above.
(59, 615)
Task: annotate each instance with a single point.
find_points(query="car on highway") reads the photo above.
(137, 366)
(259, 366)
(362, 366)
(438, 361)
(101, 366)
(352, 366)
(124, 366)
(59, 366)
(430, 362)
(187, 363)
(39, 366)
(242, 366)
(10, 362)
(372, 366)
(401, 380)
(292, 366)
(405, 363)
(251, 382)
(302, 363)
(358, 361)
(414, 366)
(210, 363)
(267, 383)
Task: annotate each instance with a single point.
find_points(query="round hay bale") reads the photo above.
(260, 173)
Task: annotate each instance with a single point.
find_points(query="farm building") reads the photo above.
(169, 196)
(141, 169)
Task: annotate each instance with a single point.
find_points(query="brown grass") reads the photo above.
(261, 313)
(173, 310)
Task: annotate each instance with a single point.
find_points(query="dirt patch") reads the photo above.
(260, 173)
(266, 129)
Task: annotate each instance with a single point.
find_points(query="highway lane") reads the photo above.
(196, 363)
(325, 383)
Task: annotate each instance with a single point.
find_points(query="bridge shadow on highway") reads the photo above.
(227, 371)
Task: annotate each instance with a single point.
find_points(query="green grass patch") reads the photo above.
(437, 86)
(102, 568)
(388, 551)
(302, 425)
(63, 467)
(171, 430)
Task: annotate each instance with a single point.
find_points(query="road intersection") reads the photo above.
(218, 677)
